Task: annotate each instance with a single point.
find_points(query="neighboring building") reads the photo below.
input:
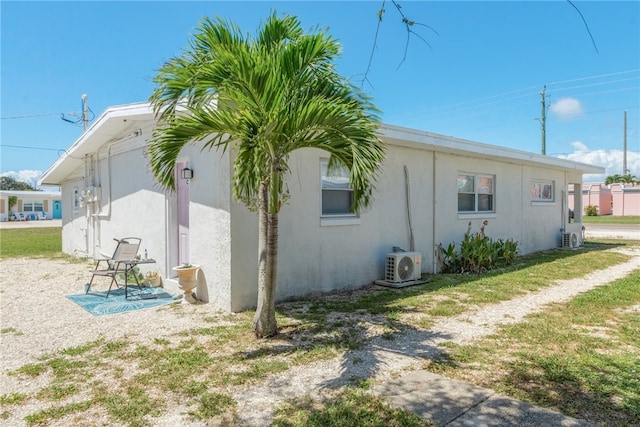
(625, 200)
(429, 189)
(30, 205)
(615, 199)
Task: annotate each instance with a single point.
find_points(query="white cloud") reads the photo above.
(26, 175)
(566, 108)
(30, 177)
(611, 160)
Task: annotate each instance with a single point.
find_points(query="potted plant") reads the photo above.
(152, 279)
(187, 280)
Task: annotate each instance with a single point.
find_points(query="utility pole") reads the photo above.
(85, 113)
(624, 151)
(543, 121)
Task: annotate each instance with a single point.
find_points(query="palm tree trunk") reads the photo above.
(267, 325)
(264, 321)
(260, 318)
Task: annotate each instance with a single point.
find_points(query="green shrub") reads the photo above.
(591, 210)
(478, 253)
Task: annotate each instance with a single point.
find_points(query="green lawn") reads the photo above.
(610, 219)
(15, 242)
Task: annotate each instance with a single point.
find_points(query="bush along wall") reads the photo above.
(478, 253)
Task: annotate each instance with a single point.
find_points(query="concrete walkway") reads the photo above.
(454, 403)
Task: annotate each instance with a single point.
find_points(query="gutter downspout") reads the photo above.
(433, 217)
(100, 214)
(407, 192)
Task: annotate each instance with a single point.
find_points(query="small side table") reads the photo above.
(128, 268)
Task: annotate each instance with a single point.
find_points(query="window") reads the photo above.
(542, 191)
(33, 206)
(337, 194)
(475, 193)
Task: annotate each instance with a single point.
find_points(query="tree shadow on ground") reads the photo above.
(344, 321)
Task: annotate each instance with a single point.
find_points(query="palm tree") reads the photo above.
(265, 98)
(625, 179)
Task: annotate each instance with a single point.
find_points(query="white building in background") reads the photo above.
(30, 205)
(429, 189)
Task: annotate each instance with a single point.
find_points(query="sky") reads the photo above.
(473, 70)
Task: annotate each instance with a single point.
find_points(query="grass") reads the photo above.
(541, 360)
(31, 242)
(610, 219)
(351, 407)
(581, 358)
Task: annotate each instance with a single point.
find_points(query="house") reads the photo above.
(430, 188)
(30, 205)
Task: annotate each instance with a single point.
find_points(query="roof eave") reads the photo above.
(397, 135)
(109, 125)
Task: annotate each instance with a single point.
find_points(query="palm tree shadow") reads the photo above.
(339, 320)
(393, 345)
(382, 354)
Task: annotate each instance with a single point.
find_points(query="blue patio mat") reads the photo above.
(96, 303)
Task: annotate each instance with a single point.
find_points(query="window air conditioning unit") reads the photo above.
(403, 266)
(570, 240)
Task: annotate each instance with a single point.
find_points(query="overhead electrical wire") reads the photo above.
(31, 148)
(530, 92)
(77, 121)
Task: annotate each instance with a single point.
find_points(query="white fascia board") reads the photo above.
(397, 135)
(110, 125)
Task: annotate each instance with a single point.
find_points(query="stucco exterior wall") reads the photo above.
(118, 198)
(323, 254)
(109, 192)
(626, 200)
(534, 225)
(210, 243)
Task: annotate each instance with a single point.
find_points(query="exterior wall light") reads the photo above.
(186, 173)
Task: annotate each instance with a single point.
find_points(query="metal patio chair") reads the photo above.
(126, 251)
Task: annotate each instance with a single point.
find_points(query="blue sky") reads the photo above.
(479, 77)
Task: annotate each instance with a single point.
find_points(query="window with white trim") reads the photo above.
(33, 206)
(337, 194)
(476, 193)
(542, 191)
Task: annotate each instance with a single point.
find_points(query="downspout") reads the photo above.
(86, 227)
(407, 192)
(563, 212)
(100, 214)
(136, 133)
(433, 217)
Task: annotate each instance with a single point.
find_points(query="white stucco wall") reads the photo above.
(126, 203)
(209, 221)
(316, 254)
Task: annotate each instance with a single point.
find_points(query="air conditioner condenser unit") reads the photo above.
(570, 240)
(403, 266)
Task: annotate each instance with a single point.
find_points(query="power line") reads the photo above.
(31, 115)
(504, 97)
(598, 84)
(596, 77)
(32, 148)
